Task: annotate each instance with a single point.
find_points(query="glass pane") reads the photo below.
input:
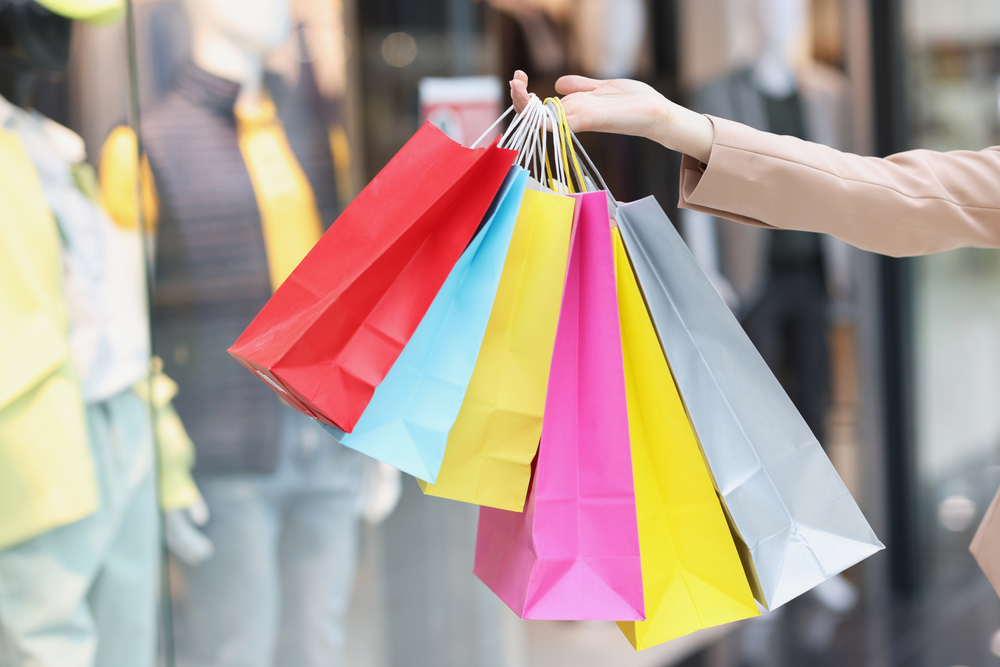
(258, 121)
(80, 397)
(954, 68)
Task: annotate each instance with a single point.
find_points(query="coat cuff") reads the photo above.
(714, 187)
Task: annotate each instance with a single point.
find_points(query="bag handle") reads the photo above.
(588, 170)
(565, 136)
(515, 135)
(532, 134)
(559, 182)
(527, 134)
(491, 127)
(558, 139)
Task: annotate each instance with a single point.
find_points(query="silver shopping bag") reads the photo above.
(796, 523)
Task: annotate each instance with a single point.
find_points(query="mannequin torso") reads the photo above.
(212, 269)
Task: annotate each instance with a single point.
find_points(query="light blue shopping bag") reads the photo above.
(406, 424)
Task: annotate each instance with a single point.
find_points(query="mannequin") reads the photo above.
(810, 101)
(780, 283)
(779, 21)
(78, 574)
(231, 40)
(245, 179)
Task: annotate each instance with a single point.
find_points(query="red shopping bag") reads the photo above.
(333, 329)
(573, 553)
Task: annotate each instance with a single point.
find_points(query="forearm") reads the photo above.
(913, 203)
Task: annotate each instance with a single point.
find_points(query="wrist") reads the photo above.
(683, 130)
(700, 137)
(660, 130)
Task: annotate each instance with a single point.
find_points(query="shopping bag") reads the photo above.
(692, 577)
(406, 424)
(573, 553)
(986, 544)
(333, 329)
(487, 460)
(796, 523)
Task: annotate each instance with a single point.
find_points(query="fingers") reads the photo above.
(567, 85)
(519, 90)
(575, 113)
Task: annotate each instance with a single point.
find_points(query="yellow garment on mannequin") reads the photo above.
(340, 149)
(289, 216)
(117, 173)
(692, 577)
(176, 451)
(290, 223)
(118, 169)
(46, 470)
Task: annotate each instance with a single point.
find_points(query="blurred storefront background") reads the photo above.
(907, 395)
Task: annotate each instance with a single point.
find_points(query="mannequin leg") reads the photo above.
(764, 325)
(809, 353)
(228, 612)
(46, 618)
(124, 594)
(318, 549)
(318, 561)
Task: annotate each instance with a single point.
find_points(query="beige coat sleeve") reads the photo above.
(912, 203)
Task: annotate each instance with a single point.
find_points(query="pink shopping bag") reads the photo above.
(573, 553)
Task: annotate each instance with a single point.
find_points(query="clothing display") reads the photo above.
(781, 277)
(288, 215)
(104, 279)
(243, 196)
(789, 326)
(817, 111)
(83, 592)
(212, 273)
(286, 540)
(37, 377)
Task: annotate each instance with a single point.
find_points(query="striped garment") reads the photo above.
(211, 267)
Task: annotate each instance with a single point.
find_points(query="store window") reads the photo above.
(953, 72)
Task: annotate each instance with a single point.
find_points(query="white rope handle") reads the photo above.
(528, 135)
(523, 135)
(592, 172)
(524, 132)
(491, 127)
(515, 125)
(540, 167)
(528, 155)
(563, 189)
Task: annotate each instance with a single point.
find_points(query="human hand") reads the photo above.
(624, 106)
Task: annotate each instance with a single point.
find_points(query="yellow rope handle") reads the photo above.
(557, 135)
(548, 171)
(565, 132)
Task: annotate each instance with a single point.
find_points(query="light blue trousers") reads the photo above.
(84, 594)
(279, 584)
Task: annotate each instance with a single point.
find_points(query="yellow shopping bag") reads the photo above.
(487, 460)
(692, 576)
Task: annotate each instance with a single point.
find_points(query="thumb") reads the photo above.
(567, 85)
